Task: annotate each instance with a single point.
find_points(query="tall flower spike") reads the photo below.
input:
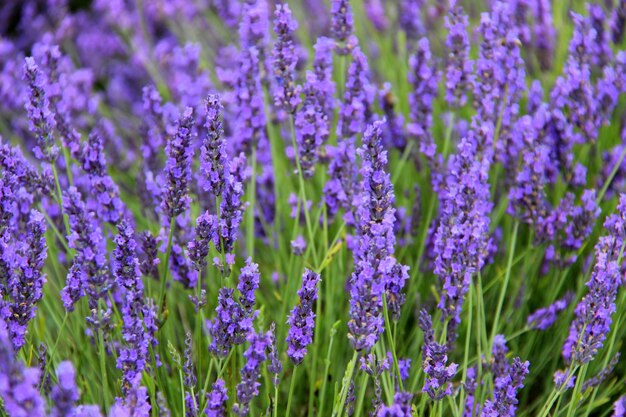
(251, 119)
(40, 117)
(231, 324)
(544, 34)
(216, 400)
(463, 231)
(323, 70)
(459, 67)
(593, 313)
(618, 22)
(342, 24)
(401, 406)
(232, 206)
(247, 286)
(248, 388)
(205, 233)
(311, 125)
(25, 285)
(302, 318)
(275, 366)
(213, 158)
(435, 358)
(287, 93)
(89, 272)
(134, 353)
(424, 78)
(545, 317)
(178, 168)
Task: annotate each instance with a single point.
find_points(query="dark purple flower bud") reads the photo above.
(504, 402)
(275, 366)
(42, 122)
(459, 67)
(65, 393)
(205, 233)
(435, 362)
(618, 22)
(593, 313)
(302, 318)
(342, 24)
(178, 168)
(545, 317)
(149, 260)
(216, 400)
(254, 356)
(213, 158)
(287, 92)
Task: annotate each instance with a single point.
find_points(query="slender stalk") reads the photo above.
(291, 388)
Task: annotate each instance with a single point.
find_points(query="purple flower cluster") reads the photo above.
(254, 356)
(287, 93)
(216, 400)
(545, 317)
(213, 158)
(459, 67)
(435, 362)
(506, 386)
(342, 25)
(302, 318)
(593, 313)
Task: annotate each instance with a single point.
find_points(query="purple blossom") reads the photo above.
(190, 380)
(601, 52)
(275, 366)
(287, 93)
(617, 22)
(424, 79)
(89, 272)
(563, 380)
(65, 393)
(302, 318)
(18, 384)
(544, 33)
(216, 400)
(342, 24)
(24, 286)
(394, 134)
(459, 67)
(108, 206)
(619, 407)
(248, 284)
(411, 18)
(178, 168)
(323, 70)
(42, 122)
(205, 233)
(14, 165)
(231, 324)
(231, 206)
(133, 355)
(434, 361)
(545, 317)
(254, 356)
(251, 120)
(298, 245)
(135, 404)
(470, 408)
(401, 406)
(213, 158)
(593, 313)
(504, 402)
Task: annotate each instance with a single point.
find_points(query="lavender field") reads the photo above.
(384, 208)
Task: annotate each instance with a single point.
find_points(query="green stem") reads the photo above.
(291, 388)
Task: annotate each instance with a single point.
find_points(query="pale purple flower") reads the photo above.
(302, 318)
(287, 93)
(459, 67)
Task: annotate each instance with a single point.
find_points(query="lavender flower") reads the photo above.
(25, 282)
(190, 381)
(178, 168)
(618, 21)
(135, 404)
(459, 67)
(231, 324)
(619, 407)
(213, 160)
(109, 206)
(411, 18)
(133, 356)
(14, 165)
(593, 313)
(355, 109)
(311, 125)
(462, 234)
(65, 393)
(42, 122)
(504, 402)
(435, 359)
(250, 107)
(89, 272)
(342, 24)
(18, 384)
(598, 379)
(205, 233)
(298, 245)
(544, 33)
(601, 48)
(248, 388)
(287, 95)
(248, 284)
(401, 406)
(470, 407)
(543, 318)
(302, 318)
(424, 78)
(323, 70)
(216, 400)
(231, 207)
(275, 366)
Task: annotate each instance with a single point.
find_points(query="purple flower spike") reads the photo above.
(287, 93)
(65, 393)
(618, 22)
(216, 400)
(24, 286)
(401, 406)
(232, 206)
(205, 233)
(302, 318)
(248, 388)
(543, 318)
(504, 402)
(42, 122)
(342, 24)
(178, 168)
(459, 67)
(545, 34)
(593, 313)
(435, 359)
(248, 284)
(213, 158)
